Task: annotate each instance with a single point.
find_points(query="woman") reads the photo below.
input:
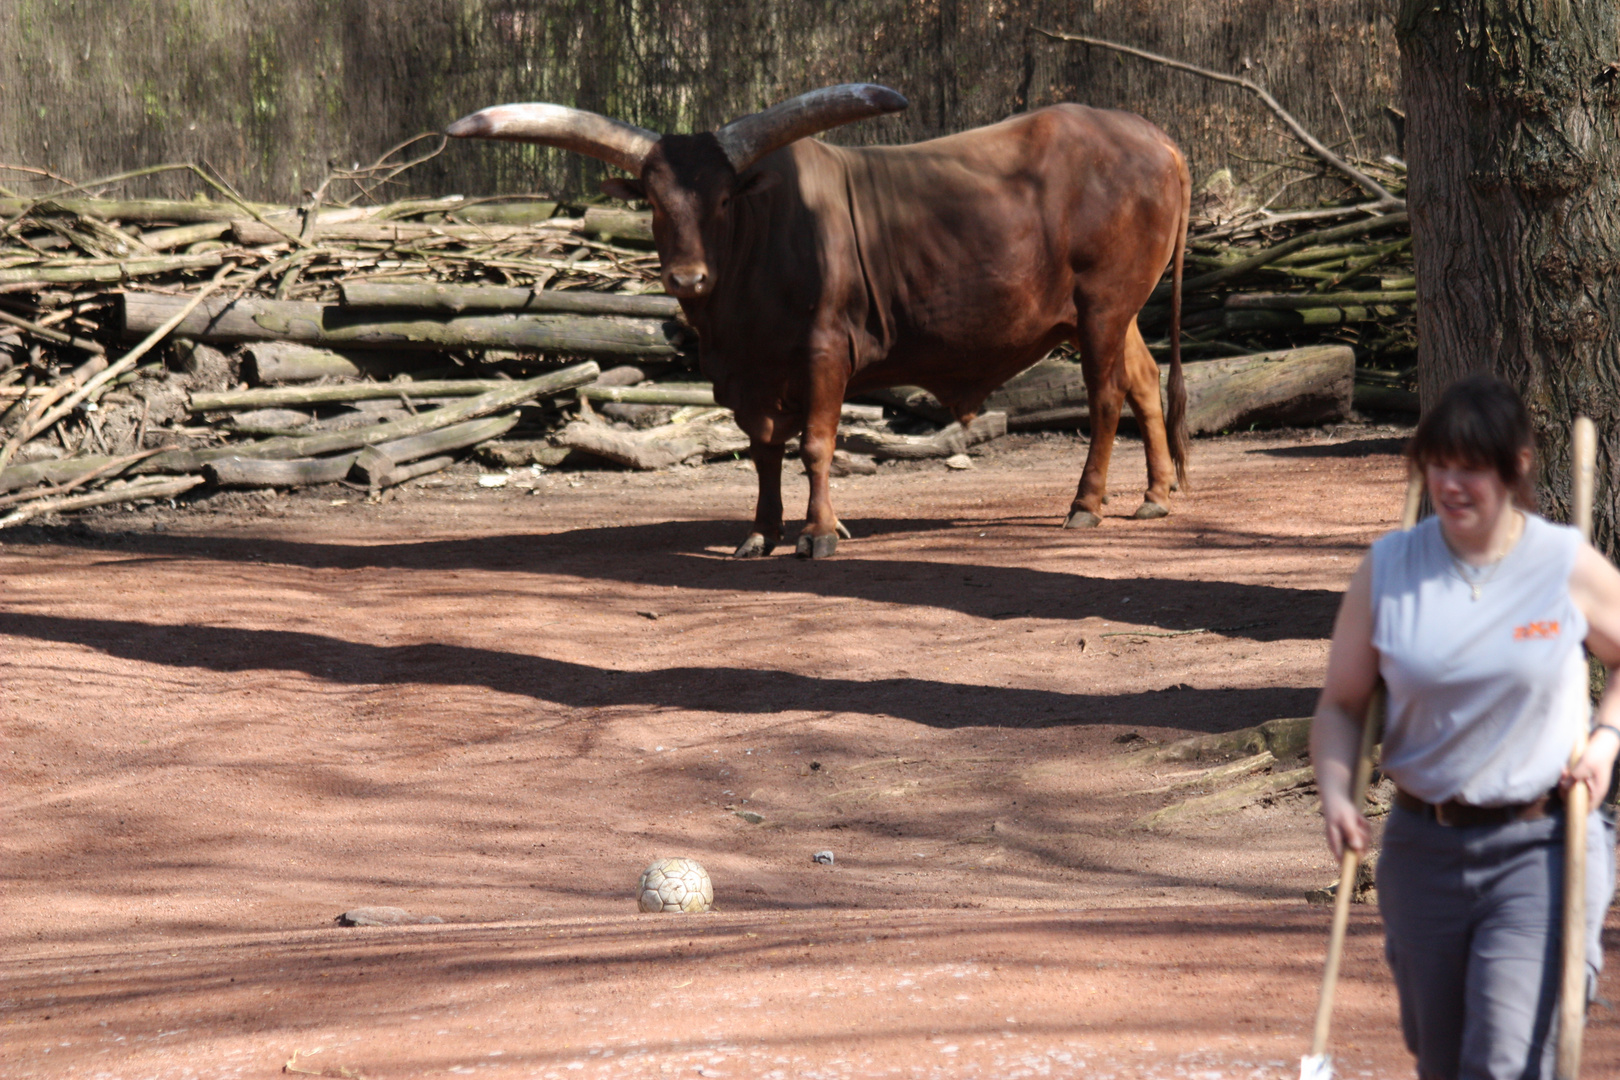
(1475, 619)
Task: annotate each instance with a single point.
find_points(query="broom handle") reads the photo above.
(1572, 992)
(1371, 729)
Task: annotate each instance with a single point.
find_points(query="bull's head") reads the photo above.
(690, 180)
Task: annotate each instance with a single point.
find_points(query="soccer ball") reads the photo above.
(675, 885)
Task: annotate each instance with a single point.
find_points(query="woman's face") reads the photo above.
(1467, 499)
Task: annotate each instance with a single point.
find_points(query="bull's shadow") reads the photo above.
(688, 554)
(710, 689)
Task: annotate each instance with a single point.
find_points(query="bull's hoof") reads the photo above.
(843, 530)
(1149, 510)
(1082, 519)
(756, 546)
(816, 547)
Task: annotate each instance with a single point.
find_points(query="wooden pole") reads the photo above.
(1371, 730)
(1577, 804)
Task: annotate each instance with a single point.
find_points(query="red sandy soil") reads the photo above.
(225, 724)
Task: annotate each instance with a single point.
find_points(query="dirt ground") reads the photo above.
(227, 723)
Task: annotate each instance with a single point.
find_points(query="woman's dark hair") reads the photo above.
(1479, 423)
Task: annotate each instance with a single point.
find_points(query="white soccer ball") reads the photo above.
(675, 885)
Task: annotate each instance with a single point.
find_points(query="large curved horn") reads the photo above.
(613, 141)
(750, 138)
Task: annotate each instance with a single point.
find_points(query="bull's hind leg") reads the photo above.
(768, 511)
(1102, 364)
(1142, 391)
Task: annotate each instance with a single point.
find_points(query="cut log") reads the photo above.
(711, 434)
(153, 487)
(143, 211)
(271, 397)
(1300, 318)
(649, 395)
(949, 440)
(1295, 387)
(185, 235)
(387, 457)
(610, 223)
(272, 363)
(1294, 301)
(1292, 388)
(48, 472)
(509, 395)
(77, 272)
(253, 234)
(525, 212)
(455, 299)
(265, 472)
(1048, 385)
(221, 320)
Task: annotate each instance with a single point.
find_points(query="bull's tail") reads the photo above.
(1177, 418)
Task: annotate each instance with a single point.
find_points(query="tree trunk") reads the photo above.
(1514, 188)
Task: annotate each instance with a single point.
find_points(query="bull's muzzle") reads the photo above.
(687, 281)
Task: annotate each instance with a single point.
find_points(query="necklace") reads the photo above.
(1477, 577)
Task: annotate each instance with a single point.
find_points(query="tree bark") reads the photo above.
(1514, 191)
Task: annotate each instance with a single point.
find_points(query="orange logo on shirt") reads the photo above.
(1536, 631)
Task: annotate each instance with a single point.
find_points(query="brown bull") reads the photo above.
(815, 272)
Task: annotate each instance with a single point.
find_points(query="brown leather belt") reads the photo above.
(1465, 816)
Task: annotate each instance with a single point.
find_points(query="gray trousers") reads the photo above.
(1472, 933)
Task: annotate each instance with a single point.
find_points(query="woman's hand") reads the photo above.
(1595, 766)
(1345, 826)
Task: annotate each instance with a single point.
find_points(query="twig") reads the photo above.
(45, 333)
(1362, 180)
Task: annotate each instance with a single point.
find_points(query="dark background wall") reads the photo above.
(269, 92)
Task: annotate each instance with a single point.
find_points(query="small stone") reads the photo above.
(492, 480)
(823, 858)
(384, 916)
(749, 816)
(959, 461)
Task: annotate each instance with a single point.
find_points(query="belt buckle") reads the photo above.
(1442, 815)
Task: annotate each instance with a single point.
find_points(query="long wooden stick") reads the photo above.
(1572, 991)
(1371, 730)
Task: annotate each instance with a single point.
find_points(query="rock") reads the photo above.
(750, 817)
(384, 916)
(492, 480)
(824, 858)
(959, 461)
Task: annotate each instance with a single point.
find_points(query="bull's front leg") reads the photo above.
(821, 525)
(768, 510)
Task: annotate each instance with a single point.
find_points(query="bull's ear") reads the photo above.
(757, 183)
(620, 187)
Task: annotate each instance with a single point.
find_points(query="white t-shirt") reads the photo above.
(1486, 696)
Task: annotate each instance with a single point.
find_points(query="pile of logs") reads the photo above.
(149, 347)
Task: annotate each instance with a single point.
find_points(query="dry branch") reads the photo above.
(1372, 187)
